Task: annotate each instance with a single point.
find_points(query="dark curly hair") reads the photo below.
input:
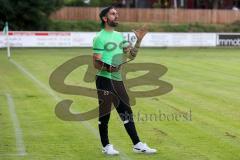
(103, 13)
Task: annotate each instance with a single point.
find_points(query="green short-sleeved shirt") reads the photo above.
(110, 46)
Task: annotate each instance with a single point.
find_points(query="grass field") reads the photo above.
(206, 84)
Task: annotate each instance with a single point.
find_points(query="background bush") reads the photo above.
(27, 14)
(88, 25)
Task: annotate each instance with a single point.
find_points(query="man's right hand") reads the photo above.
(113, 69)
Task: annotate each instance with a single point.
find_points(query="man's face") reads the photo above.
(112, 17)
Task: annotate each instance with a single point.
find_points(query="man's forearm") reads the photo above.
(137, 44)
(134, 50)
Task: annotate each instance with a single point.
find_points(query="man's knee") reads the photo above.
(104, 119)
(126, 117)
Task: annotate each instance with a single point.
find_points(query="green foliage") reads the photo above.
(175, 28)
(74, 3)
(197, 27)
(93, 3)
(88, 25)
(234, 27)
(157, 5)
(27, 14)
(104, 3)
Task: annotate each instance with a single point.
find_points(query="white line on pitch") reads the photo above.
(17, 129)
(123, 156)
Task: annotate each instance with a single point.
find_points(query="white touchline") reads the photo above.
(57, 98)
(18, 131)
(42, 86)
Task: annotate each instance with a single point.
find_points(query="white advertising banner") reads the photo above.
(82, 39)
(38, 39)
(2, 40)
(85, 39)
(180, 40)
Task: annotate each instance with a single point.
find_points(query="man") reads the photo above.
(110, 52)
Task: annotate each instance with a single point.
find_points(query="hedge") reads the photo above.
(88, 25)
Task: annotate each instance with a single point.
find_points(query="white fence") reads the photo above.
(84, 39)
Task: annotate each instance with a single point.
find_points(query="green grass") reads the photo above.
(205, 80)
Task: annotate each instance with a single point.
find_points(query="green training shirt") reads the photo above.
(110, 46)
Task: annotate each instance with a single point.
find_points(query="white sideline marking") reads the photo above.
(29, 75)
(17, 129)
(57, 98)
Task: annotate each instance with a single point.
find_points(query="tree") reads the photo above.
(74, 3)
(92, 3)
(104, 3)
(215, 4)
(27, 14)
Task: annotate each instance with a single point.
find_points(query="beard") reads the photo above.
(113, 23)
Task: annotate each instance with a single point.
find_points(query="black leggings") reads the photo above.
(111, 91)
